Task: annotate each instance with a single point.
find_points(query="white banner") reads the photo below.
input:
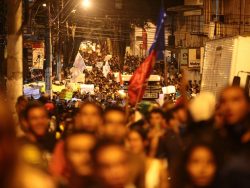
(87, 88)
(31, 92)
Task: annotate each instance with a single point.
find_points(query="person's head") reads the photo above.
(36, 118)
(172, 121)
(234, 105)
(89, 117)
(21, 104)
(111, 164)
(181, 113)
(78, 147)
(137, 140)
(218, 119)
(199, 166)
(115, 123)
(156, 118)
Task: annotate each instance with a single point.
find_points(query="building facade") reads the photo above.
(198, 21)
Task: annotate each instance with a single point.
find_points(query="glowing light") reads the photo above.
(122, 94)
(44, 5)
(86, 3)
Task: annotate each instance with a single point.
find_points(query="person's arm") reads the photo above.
(154, 136)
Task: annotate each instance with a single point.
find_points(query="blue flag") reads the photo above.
(137, 84)
(159, 40)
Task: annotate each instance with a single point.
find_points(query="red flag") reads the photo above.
(137, 84)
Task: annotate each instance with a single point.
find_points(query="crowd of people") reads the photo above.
(193, 144)
(131, 63)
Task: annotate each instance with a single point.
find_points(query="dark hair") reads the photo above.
(32, 105)
(169, 115)
(243, 90)
(156, 111)
(138, 127)
(97, 106)
(180, 175)
(102, 144)
(43, 99)
(178, 107)
(21, 99)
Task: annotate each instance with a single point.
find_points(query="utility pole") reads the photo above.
(14, 52)
(58, 67)
(48, 54)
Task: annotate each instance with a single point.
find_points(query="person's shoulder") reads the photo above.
(31, 177)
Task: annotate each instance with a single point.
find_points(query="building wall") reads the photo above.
(233, 18)
(136, 39)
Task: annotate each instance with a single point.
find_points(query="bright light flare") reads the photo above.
(44, 5)
(122, 94)
(86, 3)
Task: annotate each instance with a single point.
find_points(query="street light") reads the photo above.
(86, 3)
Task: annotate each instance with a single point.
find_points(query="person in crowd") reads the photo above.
(155, 169)
(14, 173)
(157, 125)
(115, 124)
(198, 168)
(38, 143)
(156, 118)
(170, 144)
(37, 121)
(115, 171)
(21, 104)
(234, 105)
(78, 147)
(89, 117)
(202, 112)
(182, 114)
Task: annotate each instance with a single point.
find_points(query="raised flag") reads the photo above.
(106, 69)
(137, 85)
(79, 62)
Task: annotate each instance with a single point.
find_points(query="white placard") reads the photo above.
(87, 88)
(89, 68)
